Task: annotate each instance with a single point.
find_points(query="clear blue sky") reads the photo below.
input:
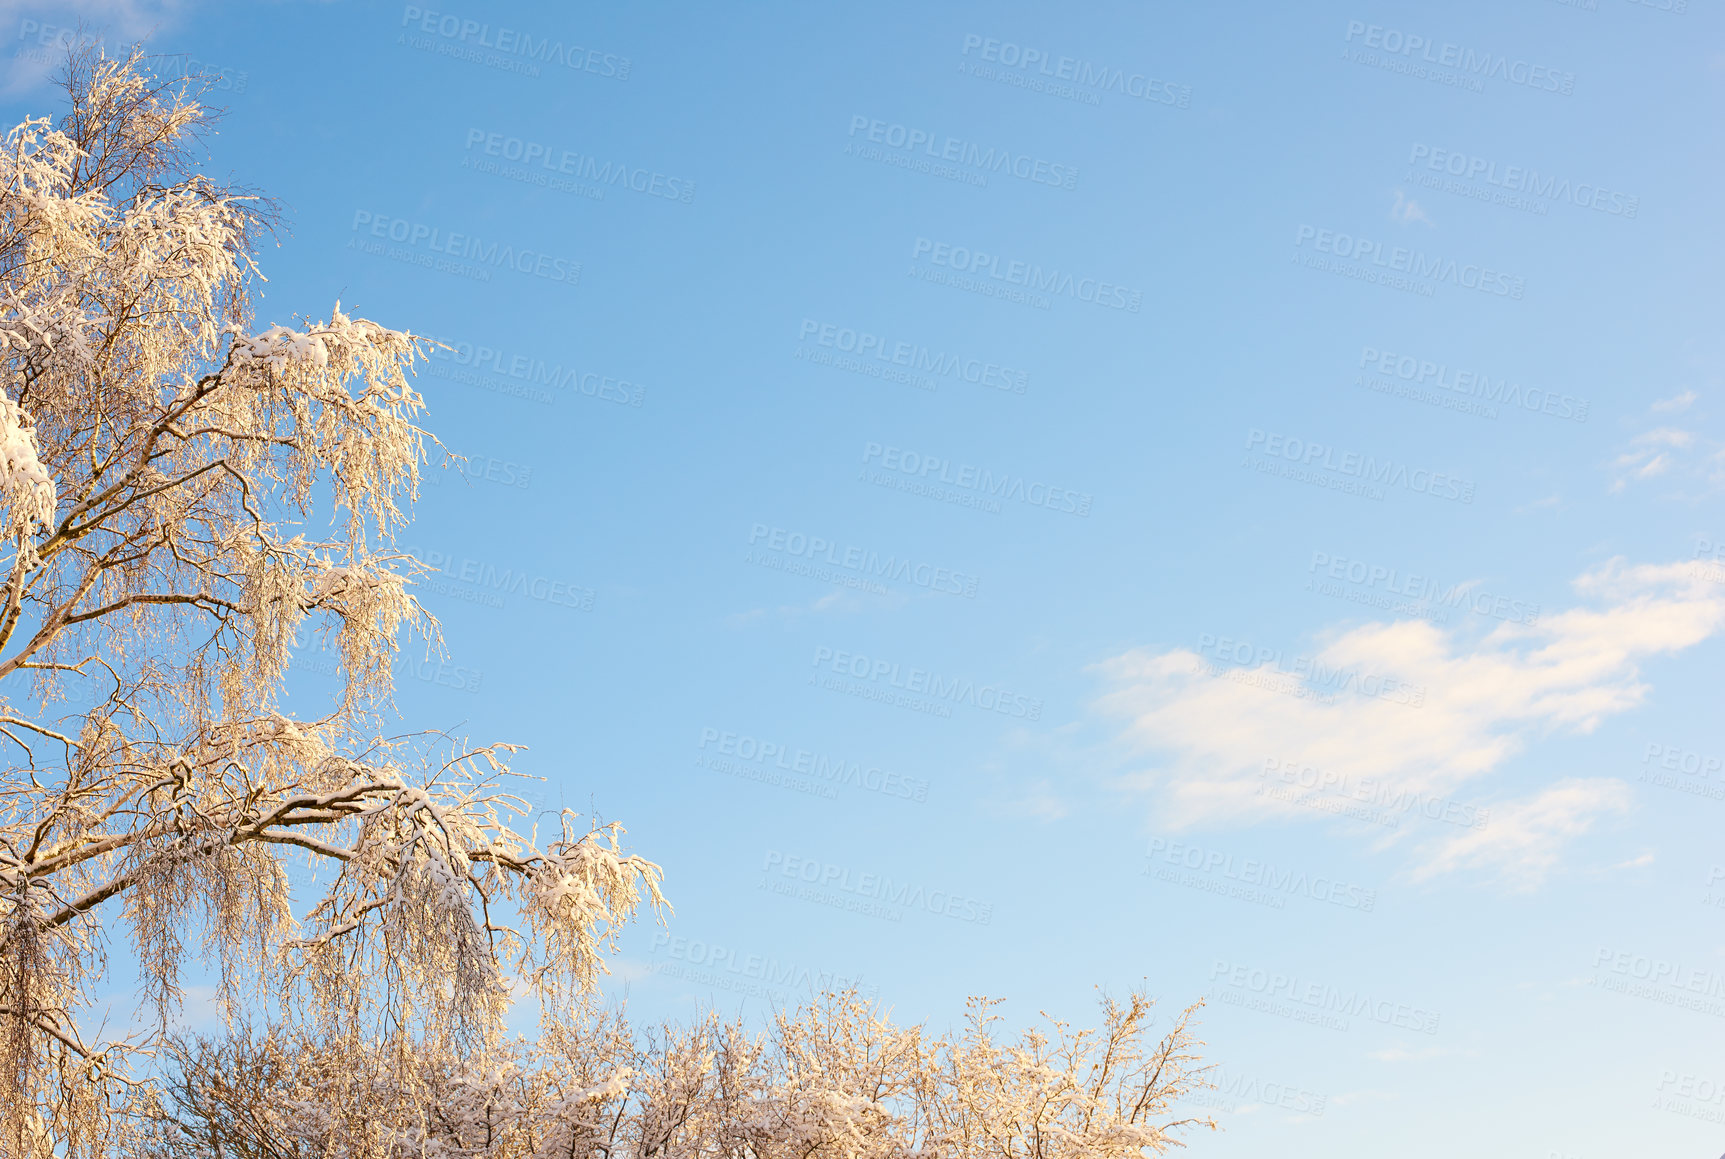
(1017, 498)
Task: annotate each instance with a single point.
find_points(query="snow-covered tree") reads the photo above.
(163, 468)
(185, 499)
(833, 1079)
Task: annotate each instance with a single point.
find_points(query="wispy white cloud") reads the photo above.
(1207, 739)
(1407, 211)
(1685, 460)
(1525, 837)
(1549, 501)
(836, 602)
(1650, 454)
(1676, 404)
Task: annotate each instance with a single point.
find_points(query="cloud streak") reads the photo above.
(1485, 699)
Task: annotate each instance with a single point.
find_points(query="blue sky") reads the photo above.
(1020, 498)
